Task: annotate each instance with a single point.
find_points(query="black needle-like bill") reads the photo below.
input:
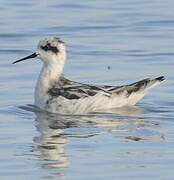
(25, 58)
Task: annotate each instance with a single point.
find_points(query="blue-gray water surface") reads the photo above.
(108, 42)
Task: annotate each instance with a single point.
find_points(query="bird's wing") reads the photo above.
(74, 90)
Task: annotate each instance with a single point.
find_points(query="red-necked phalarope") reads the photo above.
(54, 93)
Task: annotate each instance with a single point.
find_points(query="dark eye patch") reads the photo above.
(48, 47)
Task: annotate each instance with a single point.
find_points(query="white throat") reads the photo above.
(50, 73)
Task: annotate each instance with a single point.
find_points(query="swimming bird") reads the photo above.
(57, 94)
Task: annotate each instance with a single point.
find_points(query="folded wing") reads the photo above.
(74, 90)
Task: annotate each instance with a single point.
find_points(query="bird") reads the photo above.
(55, 93)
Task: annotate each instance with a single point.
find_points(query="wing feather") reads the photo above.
(74, 90)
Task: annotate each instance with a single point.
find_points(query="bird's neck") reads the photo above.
(49, 74)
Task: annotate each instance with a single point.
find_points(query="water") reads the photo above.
(135, 39)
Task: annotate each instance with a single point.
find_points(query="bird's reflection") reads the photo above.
(51, 141)
(54, 135)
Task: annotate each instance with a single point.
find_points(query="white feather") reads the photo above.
(76, 98)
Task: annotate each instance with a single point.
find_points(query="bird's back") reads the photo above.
(71, 97)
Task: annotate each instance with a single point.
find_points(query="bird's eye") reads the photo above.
(49, 47)
(46, 47)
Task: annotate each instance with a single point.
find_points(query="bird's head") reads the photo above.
(50, 50)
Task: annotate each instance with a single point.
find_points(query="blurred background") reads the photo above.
(108, 42)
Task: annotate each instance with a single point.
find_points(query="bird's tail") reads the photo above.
(138, 89)
(154, 82)
(147, 84)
